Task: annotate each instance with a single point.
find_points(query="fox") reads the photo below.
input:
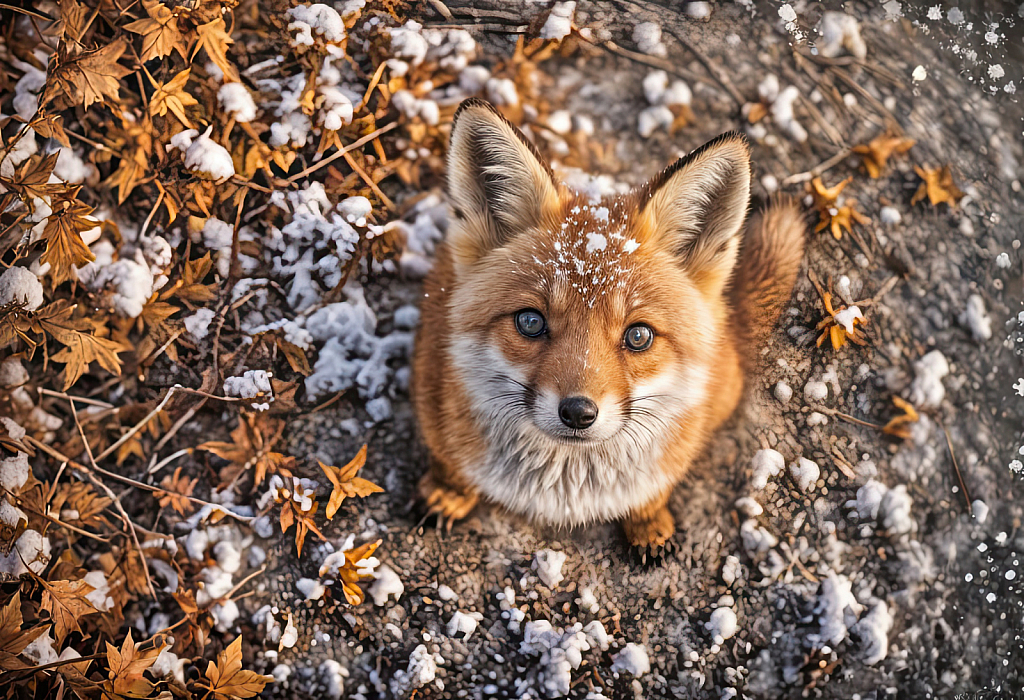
(575, 354)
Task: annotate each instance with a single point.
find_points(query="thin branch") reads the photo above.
(117, 502)
(818, 169)
(959, 476)
(340, 153)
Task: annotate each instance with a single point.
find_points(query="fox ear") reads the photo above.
(498, 184)
(697, 206)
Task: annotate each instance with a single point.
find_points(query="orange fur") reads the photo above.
(672, 255)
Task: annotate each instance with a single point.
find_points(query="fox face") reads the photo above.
(579, 345)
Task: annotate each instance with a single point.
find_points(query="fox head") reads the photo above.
(584, 330)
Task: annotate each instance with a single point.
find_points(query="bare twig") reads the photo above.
(117, 501)
(652, 61)
(712, 68)
(79, 399)
(817, 170)
(956, 468)
(341, 152)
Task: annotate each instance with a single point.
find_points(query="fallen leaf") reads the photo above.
(900, 425)
(349, 573)
(126, 666)
(81, 346)
(86, 77)
(159, 32)
(171, 97)
(252, 447)
(13, 639)
(215, 40)
(66, 603)
(346, 483)
(65, 249)
(227, 679)
(876, 153)
(176, 489)
(938, 186)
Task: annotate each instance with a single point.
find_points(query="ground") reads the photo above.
(946, 635)
(894, 573)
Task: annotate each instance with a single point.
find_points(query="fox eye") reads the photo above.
(530, 323)
(639, 337)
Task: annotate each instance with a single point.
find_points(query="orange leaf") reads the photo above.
(228, 680)
(346, 483)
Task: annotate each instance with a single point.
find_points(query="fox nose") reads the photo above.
(577, 412)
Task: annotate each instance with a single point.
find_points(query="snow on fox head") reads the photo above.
(584, 332)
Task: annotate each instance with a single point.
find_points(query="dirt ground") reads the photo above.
(950, 580)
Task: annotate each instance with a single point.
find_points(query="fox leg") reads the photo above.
(651, 526)
(446, 495)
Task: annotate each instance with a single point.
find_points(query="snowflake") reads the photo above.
(1019, 386)
(955, 16)
(992, 37)
(1010, 88)
(787, 13)
(995, 71)
(1016, 466)
(893, 10)
(935, 12)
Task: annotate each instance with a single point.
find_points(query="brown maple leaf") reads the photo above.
(350, 572)
(126, 666)
(189, 288)
(830, 214)
(34, 179)
(839, 325)
(346, 483)
(938, 186)
(876, 153)
(227, 679)
(839, 218)
(65, 249)
(171, 97)
(85, 77)
(900, 425)
(13, 639)
(292, 514)
(67, 604)
(159, 32)
(215, 40)
(177, 488)
(252, 447)
(78, 503)
(82, 345)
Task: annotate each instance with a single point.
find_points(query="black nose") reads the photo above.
(577, 412)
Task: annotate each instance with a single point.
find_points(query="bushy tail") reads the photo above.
(768, 265)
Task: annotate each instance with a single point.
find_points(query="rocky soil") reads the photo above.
(885, 576)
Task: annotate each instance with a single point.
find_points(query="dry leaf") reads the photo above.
(65, 249)
(227, 679)
(12, 638)
(839, 218)
(126, 666)
(215, 40)
(349, 573)
(938, 186)
(66, 603)
(86, 77)
(251, 447)
(346, 483)
(900, 425)
(177, 487)
(876, 153)
(159, 32)
(82, 347)
(840, 325)
(171, 97)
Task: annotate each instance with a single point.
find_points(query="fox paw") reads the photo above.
(651, 538)
(652, 554)
(446, 502)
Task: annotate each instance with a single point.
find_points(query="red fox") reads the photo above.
(574, 355)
